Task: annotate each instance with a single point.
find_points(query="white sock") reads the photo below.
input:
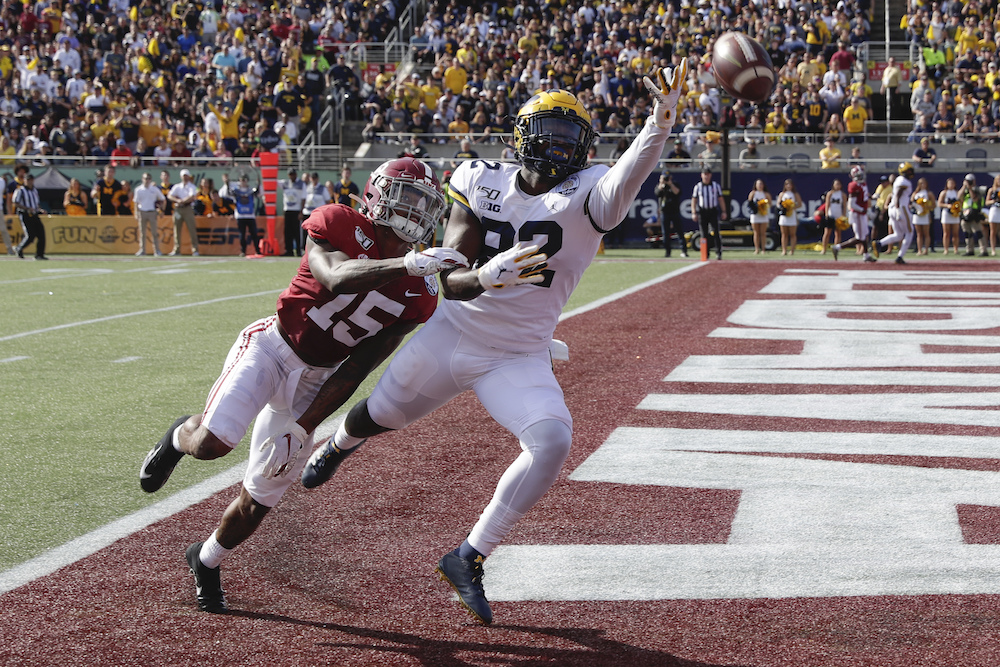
(212, 552)
(493, 526)
(175, 439)
(343, 440)
(904, 245)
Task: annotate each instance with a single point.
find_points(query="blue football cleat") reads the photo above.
(323, 463)
(466, 577)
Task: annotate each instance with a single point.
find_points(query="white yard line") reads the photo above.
(61, 274)
(94, 541)
(97, 320)
(631, 290)
(86, 545)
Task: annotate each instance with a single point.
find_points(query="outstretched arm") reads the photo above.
(282, 449)
(611, 198)
(341, 274)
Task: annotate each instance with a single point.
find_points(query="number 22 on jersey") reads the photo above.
(498, 235)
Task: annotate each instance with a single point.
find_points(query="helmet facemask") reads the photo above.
(553, 143)
(410, 209)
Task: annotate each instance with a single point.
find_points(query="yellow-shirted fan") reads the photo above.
(842, 223)
(788, 205)
(955, 208)
(763, 206)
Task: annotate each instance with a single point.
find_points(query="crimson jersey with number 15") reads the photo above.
(324, 327)
(857, 193)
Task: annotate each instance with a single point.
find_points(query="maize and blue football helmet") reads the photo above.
(553, 134)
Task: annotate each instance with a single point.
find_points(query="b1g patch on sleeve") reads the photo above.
(432, 285)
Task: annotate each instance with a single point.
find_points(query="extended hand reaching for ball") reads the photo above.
(667, 92)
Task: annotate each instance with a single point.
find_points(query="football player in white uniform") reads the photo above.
(315, 351)
(532, 228)
(900, 214)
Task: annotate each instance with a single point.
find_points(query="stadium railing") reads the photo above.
(957, 153)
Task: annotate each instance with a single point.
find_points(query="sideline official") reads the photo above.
(26, 203)
(707, 208)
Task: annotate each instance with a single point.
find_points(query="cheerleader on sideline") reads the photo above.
(760, 215)
(993, 215)
(923, 206)
(789, 201)
(949, 218)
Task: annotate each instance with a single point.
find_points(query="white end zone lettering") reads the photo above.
(807, 527)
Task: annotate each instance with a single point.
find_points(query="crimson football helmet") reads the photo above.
(404, 195)
(857, 173)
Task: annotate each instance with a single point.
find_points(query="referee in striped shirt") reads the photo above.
(26, 204)
(707, 208)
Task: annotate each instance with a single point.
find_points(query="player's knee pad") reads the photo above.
(381, 412)
(548, 442)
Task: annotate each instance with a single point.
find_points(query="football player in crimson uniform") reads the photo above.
(359, 290)
(533, 229)
(858, 201)
(900, 214)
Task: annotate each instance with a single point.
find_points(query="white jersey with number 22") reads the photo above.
(522, 318)
(566, 222)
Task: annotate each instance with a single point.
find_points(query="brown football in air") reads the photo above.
(742, 67)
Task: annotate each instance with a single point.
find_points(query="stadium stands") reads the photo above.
(190, 83)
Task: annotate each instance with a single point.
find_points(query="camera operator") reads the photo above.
(668, 196)
(972, 216)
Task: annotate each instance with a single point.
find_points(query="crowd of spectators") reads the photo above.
(137, 81)
(478, 63)
(956, 97)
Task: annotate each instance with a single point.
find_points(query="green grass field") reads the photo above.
(99, 356)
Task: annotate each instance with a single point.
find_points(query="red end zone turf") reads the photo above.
(344, 575)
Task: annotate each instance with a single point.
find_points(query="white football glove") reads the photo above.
(282, 450)
(667, 93)
(520, 265)
(432, 261)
